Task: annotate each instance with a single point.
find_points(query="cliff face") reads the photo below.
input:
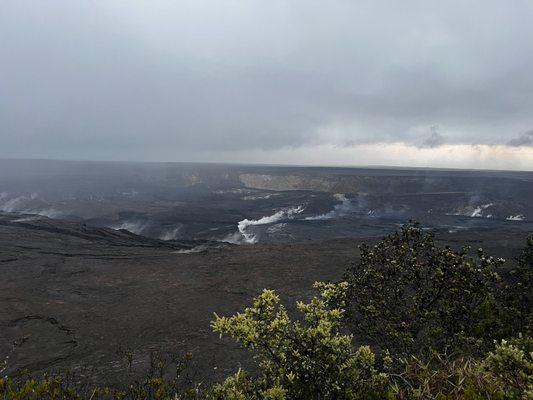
(386, 182)
(289, 182)
(333, 183)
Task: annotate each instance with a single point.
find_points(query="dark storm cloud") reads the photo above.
(168, 80)
(525, 139)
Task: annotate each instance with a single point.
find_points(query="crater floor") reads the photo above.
(75, 297)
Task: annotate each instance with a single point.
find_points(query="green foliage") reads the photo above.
(45, 388)
(444, 379)
(504, 374)
(511, 366)
(516, 300)
(308, 359)
(241, 387)
(155, 386)
(409, 296)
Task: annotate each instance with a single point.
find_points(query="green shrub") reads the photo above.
(242, 387)
(511, 366)
(308, 359)
(45, 388)
(516, 299)
(408, 296)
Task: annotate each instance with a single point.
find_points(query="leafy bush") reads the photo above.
(516, 299)
(408, 296)
(242, 387)
(511, 366)
(307, 359)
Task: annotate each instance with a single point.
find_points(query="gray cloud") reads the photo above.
(435, 139)
(168, 80)
(525, 139)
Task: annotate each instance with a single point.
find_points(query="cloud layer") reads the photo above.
(525, 139)
(164, 80)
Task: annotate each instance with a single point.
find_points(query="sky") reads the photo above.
(359, 82)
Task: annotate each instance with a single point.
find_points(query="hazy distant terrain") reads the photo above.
(251, 204)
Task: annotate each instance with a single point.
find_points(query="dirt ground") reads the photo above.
(78, 298)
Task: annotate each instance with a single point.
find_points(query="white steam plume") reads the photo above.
(478, 211)
(171, 234)
(48, 212)
(251, 238)
(339, 210)
(13, 204)
(130, 226)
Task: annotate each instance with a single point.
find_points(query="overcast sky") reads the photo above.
(414, 83)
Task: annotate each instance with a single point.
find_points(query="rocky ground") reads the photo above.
(78, 297)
